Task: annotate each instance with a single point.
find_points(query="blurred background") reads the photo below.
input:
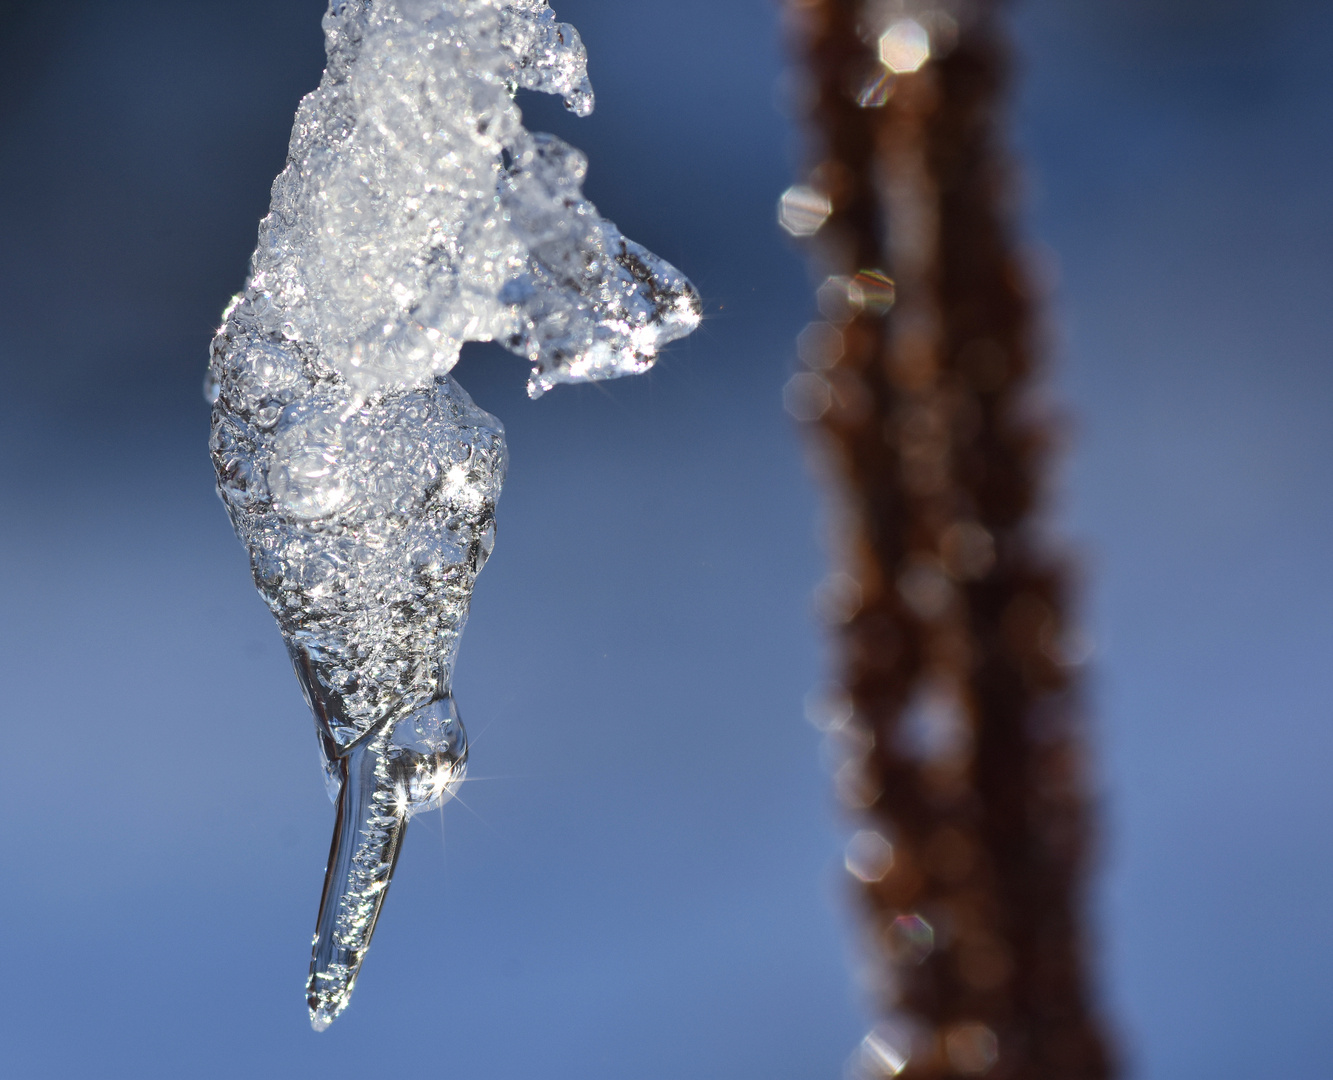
(645, 881)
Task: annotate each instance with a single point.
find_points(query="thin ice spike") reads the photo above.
(367, 838)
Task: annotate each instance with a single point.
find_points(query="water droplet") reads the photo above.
(427, 756)
(485, 545)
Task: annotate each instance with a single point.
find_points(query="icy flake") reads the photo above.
(415, 213)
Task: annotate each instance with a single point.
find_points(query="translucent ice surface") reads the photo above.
(415, 213)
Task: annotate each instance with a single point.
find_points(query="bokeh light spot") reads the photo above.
(882, 1053)
(972, 1049)
(911, 939)
(904, 47)
(819, 346)
(802, 210)
(868, 857)
(807, 397)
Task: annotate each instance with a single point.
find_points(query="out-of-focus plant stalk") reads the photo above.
(958, 701)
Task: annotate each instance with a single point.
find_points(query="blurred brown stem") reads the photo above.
(958, 660)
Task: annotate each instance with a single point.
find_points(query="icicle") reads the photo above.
(415, 213)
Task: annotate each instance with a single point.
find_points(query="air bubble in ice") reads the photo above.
(428, 756)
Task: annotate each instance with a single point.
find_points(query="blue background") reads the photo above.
(645, 881)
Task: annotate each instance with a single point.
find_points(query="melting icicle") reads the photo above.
(415, 213)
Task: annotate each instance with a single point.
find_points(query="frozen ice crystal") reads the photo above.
(415, 213)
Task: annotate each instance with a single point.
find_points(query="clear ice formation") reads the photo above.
(415, 213)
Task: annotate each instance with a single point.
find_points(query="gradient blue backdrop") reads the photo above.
(644, 883)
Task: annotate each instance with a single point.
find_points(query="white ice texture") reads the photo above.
(415, 213)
